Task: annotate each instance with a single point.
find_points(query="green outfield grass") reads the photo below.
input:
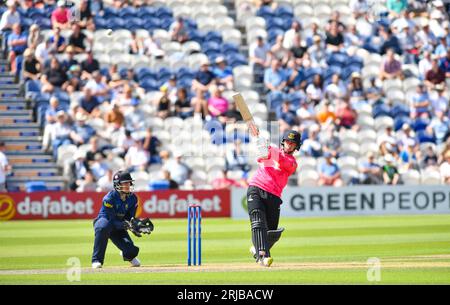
(412, 249)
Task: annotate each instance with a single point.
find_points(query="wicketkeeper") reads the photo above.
(116, 216)
(264, 193)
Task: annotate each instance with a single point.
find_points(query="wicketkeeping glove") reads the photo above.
(140, 226)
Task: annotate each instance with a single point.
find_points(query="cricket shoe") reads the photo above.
(265, 261)
(96, 265)
(135, 262)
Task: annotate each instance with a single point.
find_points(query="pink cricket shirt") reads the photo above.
(274, 171)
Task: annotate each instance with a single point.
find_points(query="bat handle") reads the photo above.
(253, 128)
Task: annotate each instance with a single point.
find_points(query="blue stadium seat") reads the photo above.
(213, 36)
(109, 12)
(35, 186)
(100, 22)
(116, 23)
(127, 12)
(159, 185)
(420, 124)
(229, 48)
(163, 12)
(146, 10)
(400, 120)
(146, 72)
(196, 36)
(149, 85)
(400, 110)
(210, 46)
(236, 59)
(164, 73)
(338, 59)
(274, 22)
(381, 110)
(44, 23)
(265, 12)
(424, 137)
(165, 23)
(273, 33)
(296, 98)
(284, 12)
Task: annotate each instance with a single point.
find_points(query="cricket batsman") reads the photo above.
(116, 216)
(264, 192)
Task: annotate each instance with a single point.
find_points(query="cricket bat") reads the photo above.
(246, 114)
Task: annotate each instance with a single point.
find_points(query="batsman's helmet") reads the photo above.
(119, 178)
(293, 136)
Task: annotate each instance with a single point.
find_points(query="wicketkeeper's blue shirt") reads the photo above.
(116, 210)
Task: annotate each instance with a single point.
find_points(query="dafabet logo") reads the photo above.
(7, 209)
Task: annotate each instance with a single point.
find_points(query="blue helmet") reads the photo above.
(119, 178)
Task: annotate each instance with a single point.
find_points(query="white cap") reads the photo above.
(436, 15)
(177, 154)
(81, 117)
(79, 155)
(438, 3)
(61, 3)
(10, 3)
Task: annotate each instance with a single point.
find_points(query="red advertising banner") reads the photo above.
(71, 205)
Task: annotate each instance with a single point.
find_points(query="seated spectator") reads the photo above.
(134, 117)
(31, 66)
(35, 37)
(408, 154)
(236, 158)
(390, 68)
(179, 171)
(178, 31)
(217, 104)
(312, 146)
(440, 102)
(331, 141)
(345, 115)
(74, 79)
(183, 107)
(314, 90)
(200, 104)
(232, 115)
(336, 89)
(317, 52)
(84, 13)
(98, 167)
(105, 183)
(89, 103)
(61, 16)
(420, 103)
(17, 44)
(298, 48)
(334, 40)
(287, 117)
(152, 48)
(58, 42)
(124, 142)
(259, 58)
(77, 39)
(152, 145)
(441, 50)
(82, 132)
(444, 168)
(424, 64)
(94, 148)
(352, 36)
(43, 52)
(50, 119)
(172, 88)
(374, 93)
(164, 104)
(434, 76)
(359, 8)
(444, 64)
(61, 132)
(329, 173)
(387, 142)
(114, 118)
(356, 89)
(396, 7)
(278, 51)
(326, 115)
(136, 44)
(275, 79)
(335, 17)
(224, 182)
(306, 114)
(291, 35)
(98, 86)
(89, 65)
(203, 78)
(70, 60)
(390, 172)
(126, 101)
(54, 77)
(10, 17)
(137, 157)
(88, 184)
(173, 185)
(370, 171)
(390, 41)
(441, 127)
(430, 158)
(426, 37)
(78, 170)
(223, 73)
